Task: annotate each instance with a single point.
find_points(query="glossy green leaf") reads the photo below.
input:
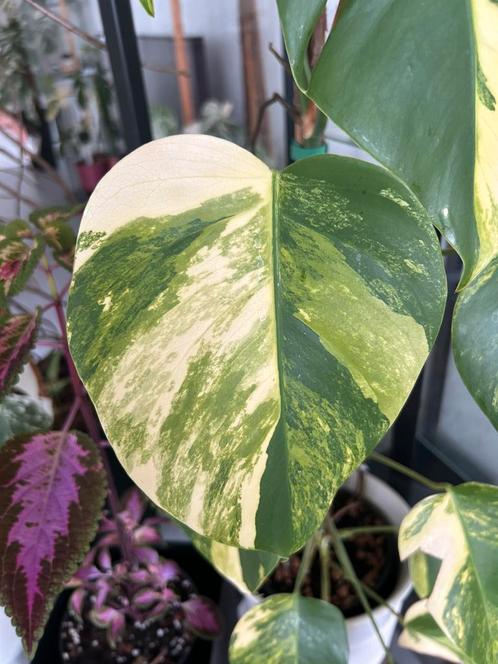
(422, 634)
(423, 572)
(20, 414)
(246, 569)
(290, 629)
(238, 329)
(475, 339)
(415, 84)
(148, 5)
(461, 529)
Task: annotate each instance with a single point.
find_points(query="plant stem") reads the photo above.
(404, 470)
(324, 549)
(380, 600)
(345, 533)
(350, 574)
(307, 559)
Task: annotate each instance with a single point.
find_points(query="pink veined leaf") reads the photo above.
(144, 599)
(202, 616)
(104, 558)
(18, 261)
(146, 554)
(52, 487)
(86, 573)
(166, 570)
(146, 535)
(111, 618)
(17, 336)
(134, 506)
(139, 576)
(77, 601)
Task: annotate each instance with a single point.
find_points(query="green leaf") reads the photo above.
(238, 329)
(475, 339)
(21, 414)
(290, 629)
(245, 569)
(461, 529)
(422, 634)
(415, 84)
(148, 5)
(54, 225)
(423, 572)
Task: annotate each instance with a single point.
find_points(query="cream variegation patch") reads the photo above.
(485, 13)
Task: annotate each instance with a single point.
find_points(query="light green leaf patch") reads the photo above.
(461, 529)
(290, 629)
(237, 329)
(245, 569)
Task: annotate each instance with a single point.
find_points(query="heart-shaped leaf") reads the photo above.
(460, 528)
(238, 329)
(290, 629)
(17, 336)
(51, 493)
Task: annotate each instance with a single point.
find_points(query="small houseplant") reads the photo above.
(247, 337)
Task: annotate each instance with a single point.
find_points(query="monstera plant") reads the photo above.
(248, 336)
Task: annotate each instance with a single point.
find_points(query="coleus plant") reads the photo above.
(142, 591)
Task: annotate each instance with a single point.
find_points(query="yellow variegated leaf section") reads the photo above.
(460, 528)
(485, 13)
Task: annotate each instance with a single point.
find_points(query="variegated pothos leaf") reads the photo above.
(290, 629)
(422, 634)
(246, 569)
(424, 103)
(238, 329)
(460, 528)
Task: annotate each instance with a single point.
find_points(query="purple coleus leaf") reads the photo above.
(52, 487)
(18, 261)
(17, 336)
(202, 617)
(113, 619)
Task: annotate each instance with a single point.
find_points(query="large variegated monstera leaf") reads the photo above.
(416, 85)
(248, 336)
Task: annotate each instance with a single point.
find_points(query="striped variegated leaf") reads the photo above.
(460, 527)
(246, 569)
(422, 634)
(238, 329)
(290, 629)
(416, 84)
(423, 572)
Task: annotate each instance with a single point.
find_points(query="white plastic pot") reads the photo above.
(10, 643)
(364, 645)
